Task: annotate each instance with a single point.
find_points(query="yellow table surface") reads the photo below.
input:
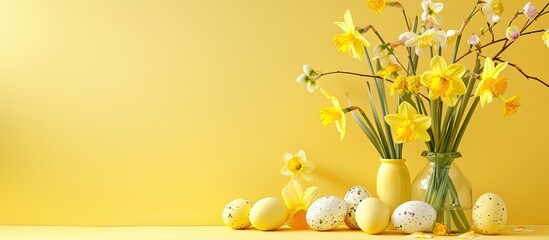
(220, 232)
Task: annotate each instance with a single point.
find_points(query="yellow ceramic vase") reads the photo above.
(393, 183)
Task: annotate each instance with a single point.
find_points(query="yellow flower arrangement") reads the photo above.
(435, 105)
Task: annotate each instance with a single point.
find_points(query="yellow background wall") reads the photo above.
(161, 112)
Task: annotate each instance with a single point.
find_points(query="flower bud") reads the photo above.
(474, 40)
(529, 11)
(307, 69)
(496, 18)
(403, 37)
(512, 33)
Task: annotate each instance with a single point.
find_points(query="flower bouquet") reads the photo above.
(435, 105)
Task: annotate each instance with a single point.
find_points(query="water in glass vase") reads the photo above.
(444, 186)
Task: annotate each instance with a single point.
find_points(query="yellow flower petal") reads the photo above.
(407, 124)
(376, 5)
(394, 119)
(511, 105)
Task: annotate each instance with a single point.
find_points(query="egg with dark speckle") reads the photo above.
(414, 216)
(352, 199)
(489, 214)
(235, 214)
(326, 213)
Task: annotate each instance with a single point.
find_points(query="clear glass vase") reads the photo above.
(442, 184)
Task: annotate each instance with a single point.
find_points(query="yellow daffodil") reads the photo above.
(297, 166)
(444, 81)
(351, 42)
(511, 105)
(428, 39)
(298, 202)
(377, 5)
(545, 37)
(490, 85)
(413, 84)
(431, 11)
(389, 71)
(333, 114)
(407, 124)
(512, 33)
(493, 10)
(381, 53)
(399, 85)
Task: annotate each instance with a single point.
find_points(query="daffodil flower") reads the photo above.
(529, 11)
(490, 85)
(298, 202)
(545, 37)
(351, 41)
(444, 81)
(512, 33)
(511, 105)
(400, 85)
(333, 114)
(389, 71)
(297, 166)
(408, 125)
(493, 10)
(451, 36)
(431, 11)
(428, 39)
(308, 77)
(381, 53)
(377, 5)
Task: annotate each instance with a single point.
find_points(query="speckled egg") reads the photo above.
(414, 216)
(268, 214)
(326, 213)
(235, 214)
(489, 214)
(352, 199)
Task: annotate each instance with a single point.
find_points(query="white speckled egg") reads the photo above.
(489, 214)
(352, 199)
(235, 214)
(326, 213)
(372, 215)
(414, 216)
(268, 214)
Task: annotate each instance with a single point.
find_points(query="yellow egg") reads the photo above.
(372, 215)
(489, 214)
(268, 214)
(235, 214)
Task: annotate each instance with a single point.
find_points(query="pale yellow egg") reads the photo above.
(268, 214)
(372, 215)
(489, 214)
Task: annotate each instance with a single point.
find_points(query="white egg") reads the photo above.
(414, 216)
(326, 213)
(352, 199)
(489, 214)
(235, 214)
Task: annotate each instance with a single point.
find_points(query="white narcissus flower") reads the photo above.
(430, 38)
(474, 40)
(431, 11)
(381, 53)
(493, 10)
(529, 11)
(512, 33)
(451, 36)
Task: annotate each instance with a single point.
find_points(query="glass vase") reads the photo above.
(444, 186)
